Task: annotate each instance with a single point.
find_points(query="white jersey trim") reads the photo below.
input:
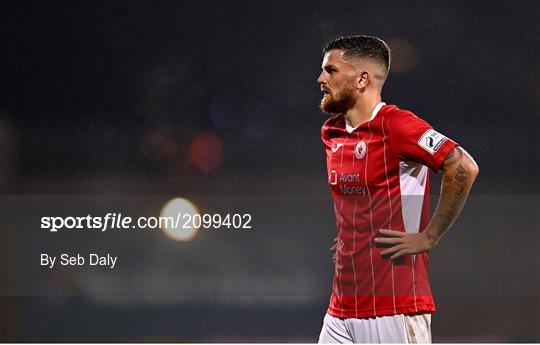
(412, 184)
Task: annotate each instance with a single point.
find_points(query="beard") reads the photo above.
(342, 101)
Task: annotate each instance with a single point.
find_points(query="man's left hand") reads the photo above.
(403, 243)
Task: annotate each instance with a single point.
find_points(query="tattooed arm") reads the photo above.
(460, 171)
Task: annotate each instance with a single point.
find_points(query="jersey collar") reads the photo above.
(378, 107)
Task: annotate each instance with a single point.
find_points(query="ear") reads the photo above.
(363, 80)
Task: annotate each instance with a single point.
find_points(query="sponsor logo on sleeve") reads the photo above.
(431, 141)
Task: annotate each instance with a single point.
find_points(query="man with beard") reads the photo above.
(377, 159)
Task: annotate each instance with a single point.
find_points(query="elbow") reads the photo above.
(472, 168)
(460, 166)
(475, 170)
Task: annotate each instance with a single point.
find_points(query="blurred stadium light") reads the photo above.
(206, 152)
(176, 209)
(404, 55)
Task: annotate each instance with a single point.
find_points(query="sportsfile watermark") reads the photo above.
(118, 221)
(102, 246)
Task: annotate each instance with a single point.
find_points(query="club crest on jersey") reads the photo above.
(360, 149)
(431, 141)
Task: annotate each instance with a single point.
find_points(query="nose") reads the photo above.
(321, 79)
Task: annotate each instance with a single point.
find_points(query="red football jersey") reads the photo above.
(378, 177)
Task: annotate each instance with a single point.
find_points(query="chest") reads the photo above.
(358, 160)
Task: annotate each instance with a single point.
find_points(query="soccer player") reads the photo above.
(378, 157)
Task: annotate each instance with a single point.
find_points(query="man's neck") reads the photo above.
(361, 112)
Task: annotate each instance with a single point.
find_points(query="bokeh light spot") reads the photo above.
(258, 120)
(404, 55)
(223, 114)
(206, 152)
(173, 229)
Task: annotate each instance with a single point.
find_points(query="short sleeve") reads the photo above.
(413, 139)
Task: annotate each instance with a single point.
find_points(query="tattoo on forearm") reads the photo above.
(460, 174)
(454, 155)
(455, 188)
(450, 209)
(453, 196)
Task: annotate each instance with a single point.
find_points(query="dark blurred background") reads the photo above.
(218, 100)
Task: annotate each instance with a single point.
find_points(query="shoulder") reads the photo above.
(332, 124)
(334, 121)
(397, 118)
(392, 112)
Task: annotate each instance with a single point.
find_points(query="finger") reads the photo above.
(392, 233)
(333, 248)
(335, 240)
(388, 240)
(393, 249)
(401, 253)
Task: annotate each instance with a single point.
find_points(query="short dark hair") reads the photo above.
(361, 47)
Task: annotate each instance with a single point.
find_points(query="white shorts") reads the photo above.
(405, 329)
